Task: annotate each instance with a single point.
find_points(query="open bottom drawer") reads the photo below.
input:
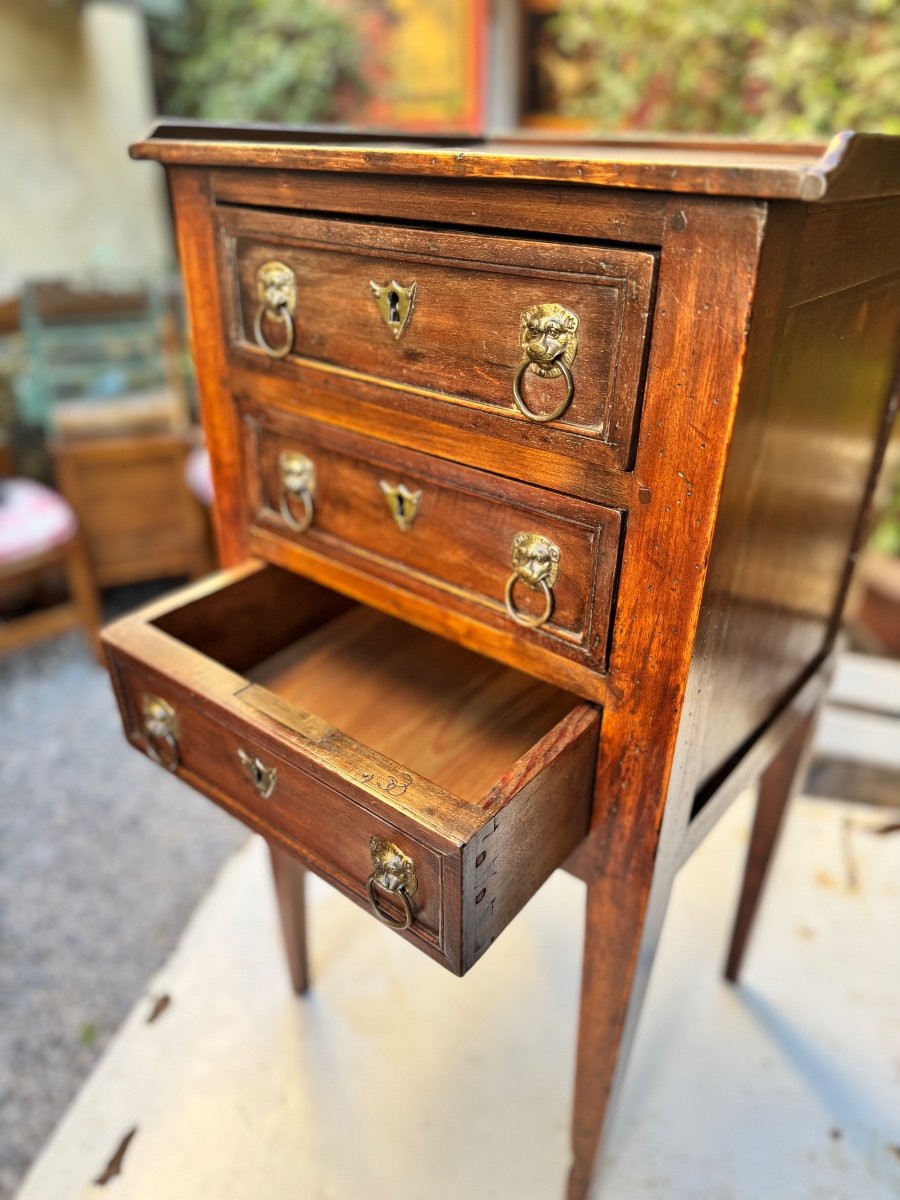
(419, 778)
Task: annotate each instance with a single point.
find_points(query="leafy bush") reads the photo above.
(290, 61)
(773, 68)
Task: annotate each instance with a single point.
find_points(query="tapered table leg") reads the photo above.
(622, 930)
(290, 892)
(775, 789)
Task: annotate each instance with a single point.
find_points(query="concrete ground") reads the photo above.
(103, 857)
(392, 1078)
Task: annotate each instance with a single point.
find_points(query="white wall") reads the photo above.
(74, 91)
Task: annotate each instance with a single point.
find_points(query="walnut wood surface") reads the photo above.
(289, 878)
(197, 251)
(459, 351)
(457, 553)
(708, 265)
(852, 166)
(595, 213)
(801, 467)
(373, 410)
(775, 788)
(759, 430)
(451, 715)
(516, 753)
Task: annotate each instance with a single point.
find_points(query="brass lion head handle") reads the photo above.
(549, 340)
(276, 291)
(298, 486)
(394, 872)
(535, 561)
(160, 730)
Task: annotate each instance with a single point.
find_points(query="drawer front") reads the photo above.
(455, 324)
(457, 537)
(210, 683)
(330, 830)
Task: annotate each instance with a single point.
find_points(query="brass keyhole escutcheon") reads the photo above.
(402, 502)
(262, 777)
(535, 561)
(549, 340)
(395, 303)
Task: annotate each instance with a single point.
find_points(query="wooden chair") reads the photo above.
(39, 534)
(139, 518)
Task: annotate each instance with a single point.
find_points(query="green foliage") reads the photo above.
(290, 61)
(886, 535)
(773, 68)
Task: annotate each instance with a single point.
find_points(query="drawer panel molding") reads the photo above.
(521, 331)
(513, 556)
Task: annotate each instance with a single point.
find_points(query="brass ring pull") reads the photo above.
(548, 335)
(535, 561)
(523, 618)
(385, 918)
(298, 483)
(276, 290)
(287, 515)
(170, 760)
(394, 872)
(161, 730)
(560, 408)
(283, 315)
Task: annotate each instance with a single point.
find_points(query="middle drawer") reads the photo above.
(528, 574)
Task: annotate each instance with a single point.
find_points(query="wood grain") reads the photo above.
(374, 730)
(852, 166)
(197, 248)
(759, 430)
(581, 212)
(461, 346)
(458, 551)
(376, 410)
(800, 471)
(775, 789)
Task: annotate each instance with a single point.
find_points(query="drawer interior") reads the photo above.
(444, 712)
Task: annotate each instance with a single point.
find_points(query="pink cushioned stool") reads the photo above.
(39, 531)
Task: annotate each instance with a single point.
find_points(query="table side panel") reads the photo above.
(809, 434)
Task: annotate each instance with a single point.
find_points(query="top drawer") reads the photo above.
(446, 326)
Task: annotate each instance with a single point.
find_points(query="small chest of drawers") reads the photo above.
(540, 471)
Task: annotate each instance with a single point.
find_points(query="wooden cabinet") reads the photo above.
(559, 458)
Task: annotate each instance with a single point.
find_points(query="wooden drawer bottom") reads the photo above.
(344, 734)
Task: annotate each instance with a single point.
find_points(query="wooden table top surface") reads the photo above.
(850, 166)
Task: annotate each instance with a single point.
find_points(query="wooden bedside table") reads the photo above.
(511, 440)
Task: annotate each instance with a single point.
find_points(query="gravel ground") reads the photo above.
(103, 857)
